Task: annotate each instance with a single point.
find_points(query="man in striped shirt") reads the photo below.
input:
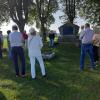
(86, 46)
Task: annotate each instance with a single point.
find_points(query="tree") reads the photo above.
(42, 14)
(96, 1)
(18, 10)
(90, 10)
(4, 15)
(69, 9)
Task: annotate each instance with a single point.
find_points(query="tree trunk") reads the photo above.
(21, 27)
(71, 19)
(43, 31)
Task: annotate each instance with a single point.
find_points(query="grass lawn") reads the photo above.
(63, 82)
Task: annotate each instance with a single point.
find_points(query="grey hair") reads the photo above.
(32, 31)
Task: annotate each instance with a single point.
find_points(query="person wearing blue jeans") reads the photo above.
(51, 42)
(16, 42)
(86, 46)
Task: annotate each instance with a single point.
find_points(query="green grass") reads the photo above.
(63, 82)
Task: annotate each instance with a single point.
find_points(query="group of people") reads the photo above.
(90, 42)
(34, 44)
(16, 51)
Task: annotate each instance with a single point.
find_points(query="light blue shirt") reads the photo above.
(86, 36)
(16, 39)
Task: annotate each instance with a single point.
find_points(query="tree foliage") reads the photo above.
(69, 9)
(90, 10)
(19, 12)
(42, 14)
(4, 12)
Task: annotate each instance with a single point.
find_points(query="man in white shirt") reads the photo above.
(16, 42)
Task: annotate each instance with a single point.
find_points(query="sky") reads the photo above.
(58, 22)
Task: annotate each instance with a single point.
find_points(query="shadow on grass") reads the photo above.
(63, 82)
(52, 87)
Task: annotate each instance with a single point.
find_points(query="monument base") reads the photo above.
(68, 38)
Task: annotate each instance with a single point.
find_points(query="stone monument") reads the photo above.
(68, 32)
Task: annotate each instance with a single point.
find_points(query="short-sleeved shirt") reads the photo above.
(86, 36)
(16, 39)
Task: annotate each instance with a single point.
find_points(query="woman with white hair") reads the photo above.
(34, 48)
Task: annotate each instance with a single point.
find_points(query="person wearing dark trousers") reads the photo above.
(96, 44)
(16, 42)
(96, 55)
(87, 47)
(18, 52)
(51, 38)
(0, 51)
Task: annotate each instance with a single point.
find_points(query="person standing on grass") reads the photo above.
(1, 44)
(16, 43)
(34, 48)
(96, 44)
(86, 46)
(8, 41)
(51, 38)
